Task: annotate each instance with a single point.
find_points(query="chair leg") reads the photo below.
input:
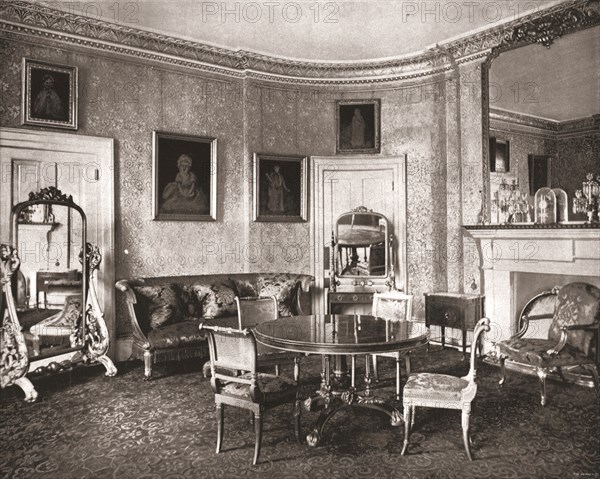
(398, 378)
(148, 360)
(297, 412)
(408, 413)
(465, 427)
(277, 370)
(592, 368)
(542, 373)
(502, 370)
(220, 420)
(297, 369)
(375, 373)
(257, 436)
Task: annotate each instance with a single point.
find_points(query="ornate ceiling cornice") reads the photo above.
(36, 20)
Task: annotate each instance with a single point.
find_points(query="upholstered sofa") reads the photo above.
(165, 312)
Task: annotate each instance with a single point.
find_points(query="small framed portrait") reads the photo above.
(49, 94)
(280, 188)
(539, 172)
(357, 126)
(499, 155)
(185, 177)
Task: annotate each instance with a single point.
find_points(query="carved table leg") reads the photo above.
(502, 370)
(27, 387)
(542, 373)
(315, 436)
(111, 370)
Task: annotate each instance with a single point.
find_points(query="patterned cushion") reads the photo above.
(534, 351)
(577, 303)
(429, 386)
(181, 334)
(216, 299)
(244, 287)
(274, 388)
(191, 306)
(283, 287)
(161, 304)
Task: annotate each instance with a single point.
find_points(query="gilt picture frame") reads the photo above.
(184, 173)
(358, 126)
(49, 94)
(280, 189)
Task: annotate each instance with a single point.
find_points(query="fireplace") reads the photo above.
(519, 261)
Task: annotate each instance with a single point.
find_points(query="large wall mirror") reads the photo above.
(544, 115)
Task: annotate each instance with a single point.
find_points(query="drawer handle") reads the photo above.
(446, 315)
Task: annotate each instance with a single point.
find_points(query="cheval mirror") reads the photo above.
(362, 257)
(51, 318)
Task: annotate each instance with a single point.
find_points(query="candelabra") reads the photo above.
(510, 205)
(587, 200)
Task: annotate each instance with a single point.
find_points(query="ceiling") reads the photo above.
(557, 83)
(316, 30)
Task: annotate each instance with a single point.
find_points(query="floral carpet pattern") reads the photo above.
(85, 425)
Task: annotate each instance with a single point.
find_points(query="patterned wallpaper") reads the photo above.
(126, 101)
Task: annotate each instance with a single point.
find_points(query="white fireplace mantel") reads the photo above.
(506, 251)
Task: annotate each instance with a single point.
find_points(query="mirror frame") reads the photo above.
(53, 196)
(366, 282)
(543, 28)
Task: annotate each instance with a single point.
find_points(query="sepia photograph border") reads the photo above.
(376, 121)
(157, 136)
(303, 188)
(27, 117)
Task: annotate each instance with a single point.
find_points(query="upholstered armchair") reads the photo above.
(572, 337)
(233, 350)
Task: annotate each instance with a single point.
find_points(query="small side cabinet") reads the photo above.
(454, 310)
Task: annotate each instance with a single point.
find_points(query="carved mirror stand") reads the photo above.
(50, 318)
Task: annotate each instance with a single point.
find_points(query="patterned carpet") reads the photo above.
(85, 425)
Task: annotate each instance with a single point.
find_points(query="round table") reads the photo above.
(343, 335)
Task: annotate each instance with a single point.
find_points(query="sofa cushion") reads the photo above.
(216, 299)
(181, 334)
(160, 304)
(282, 286)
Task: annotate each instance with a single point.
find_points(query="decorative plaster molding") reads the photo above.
(503, 120)
(36, 20)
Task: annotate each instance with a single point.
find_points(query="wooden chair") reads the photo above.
(394, 306)
(256, 310)
(573, 336)
(231, 350)
(444, 391)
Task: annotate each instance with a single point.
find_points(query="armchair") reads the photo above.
(572, 338)
(232, 350)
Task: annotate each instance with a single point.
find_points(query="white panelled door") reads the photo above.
(343, 183)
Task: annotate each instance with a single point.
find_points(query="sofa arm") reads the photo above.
(126, 287)
(304, 285)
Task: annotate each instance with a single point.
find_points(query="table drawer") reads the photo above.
(350, 298)
(447, 315)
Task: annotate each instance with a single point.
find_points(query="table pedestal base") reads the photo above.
(335, 395)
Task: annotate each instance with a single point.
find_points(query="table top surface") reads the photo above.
(341, 334)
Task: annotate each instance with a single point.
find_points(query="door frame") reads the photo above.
(324, 168)
(102, 151)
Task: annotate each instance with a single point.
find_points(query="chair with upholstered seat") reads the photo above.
(253, 311)
(231, 350)
(393, 306)
(444, 391)
(573, 335)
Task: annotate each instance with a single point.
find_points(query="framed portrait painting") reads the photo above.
(184, 177)
(499, 155)
(280, 188)
(357, 126)
(49, 94)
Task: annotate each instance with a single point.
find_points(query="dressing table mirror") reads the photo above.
(361, 262)
(51, 318)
